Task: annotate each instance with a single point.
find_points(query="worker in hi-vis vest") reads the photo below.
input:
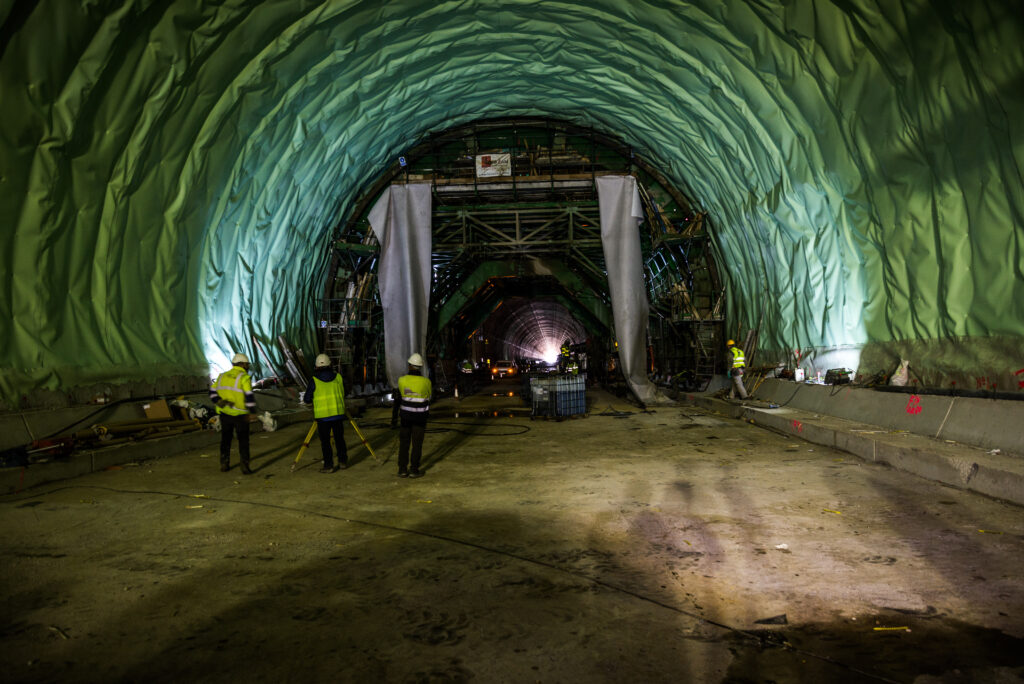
(326, 392)
(739, 361)
(232, 393)
(412, 407)
(564, 354)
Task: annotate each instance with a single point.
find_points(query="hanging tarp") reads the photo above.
(621, 214)
(401, 222)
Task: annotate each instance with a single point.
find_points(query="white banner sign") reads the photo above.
(490, 165)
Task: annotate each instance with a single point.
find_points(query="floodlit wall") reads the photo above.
(170, 171)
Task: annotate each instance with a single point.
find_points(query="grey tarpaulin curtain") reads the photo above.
(621, 214)
(401, 222)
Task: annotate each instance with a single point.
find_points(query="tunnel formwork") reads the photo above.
(517, 255)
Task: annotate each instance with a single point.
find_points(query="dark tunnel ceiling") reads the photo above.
(172, 170)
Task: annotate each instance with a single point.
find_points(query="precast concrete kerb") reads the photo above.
(993, 472)
(87, 461)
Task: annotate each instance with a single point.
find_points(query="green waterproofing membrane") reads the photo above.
(170, 171)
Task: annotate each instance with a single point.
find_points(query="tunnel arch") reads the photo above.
(553, 324)
(521, 249)
(173, 169)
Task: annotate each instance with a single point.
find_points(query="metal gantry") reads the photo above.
(518, 230)
(542, 216)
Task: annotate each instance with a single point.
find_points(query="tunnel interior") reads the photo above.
(531, 329)
(832, 183)
(178, 176)
(517, 264)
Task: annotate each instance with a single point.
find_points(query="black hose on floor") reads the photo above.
(520, 429)
(950, 392)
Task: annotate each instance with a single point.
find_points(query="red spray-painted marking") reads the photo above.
(1020, 384)
(798, 426)
(914, 405)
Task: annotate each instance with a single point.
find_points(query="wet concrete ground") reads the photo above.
(624, 547)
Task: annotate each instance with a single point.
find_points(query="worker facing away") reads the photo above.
(236, 406)
(564, 354)
(739, 361)
(412, 408)
(326, 392)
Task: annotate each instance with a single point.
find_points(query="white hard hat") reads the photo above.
(239, 358)
(416, 360)
(323, 361)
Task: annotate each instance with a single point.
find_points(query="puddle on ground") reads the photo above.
(873, 648)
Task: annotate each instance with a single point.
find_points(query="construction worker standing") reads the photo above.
(563, 356)
(412, 405)
(326, 392)
(232, 394)
(739, 361)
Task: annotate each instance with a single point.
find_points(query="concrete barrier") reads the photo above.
(22, 427)
(984, 423)
(83, 462)
(966, 467)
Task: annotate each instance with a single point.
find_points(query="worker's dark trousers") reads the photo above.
(412, 431)
(229, 425)
(324, 428)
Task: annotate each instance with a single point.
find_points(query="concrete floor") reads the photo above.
(617, 548)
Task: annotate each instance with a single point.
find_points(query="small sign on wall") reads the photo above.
(490, 165)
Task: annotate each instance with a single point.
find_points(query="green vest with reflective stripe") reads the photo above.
(231, 386)
(738, 359)
(328, 397)
(415, 393)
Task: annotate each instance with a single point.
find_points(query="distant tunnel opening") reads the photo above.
(527, 331)
(517, 261)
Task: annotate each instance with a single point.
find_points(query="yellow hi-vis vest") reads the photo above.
(415, 393)
(738, 359)
(328, 397)
(231, 386)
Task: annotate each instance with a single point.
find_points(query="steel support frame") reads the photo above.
(580, 294)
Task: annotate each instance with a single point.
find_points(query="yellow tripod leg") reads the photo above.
(305, 445)
(363, 440)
